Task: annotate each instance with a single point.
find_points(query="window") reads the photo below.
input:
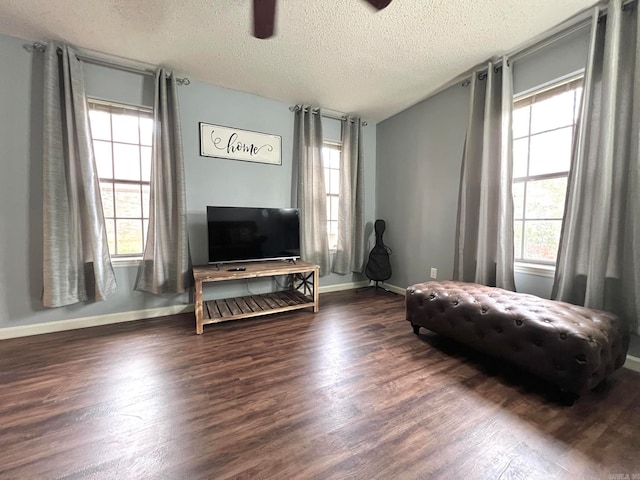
(122, 137)
(543, 130)
(331, 153)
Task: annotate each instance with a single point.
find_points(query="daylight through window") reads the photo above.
(122, 137)
(543, 129)
(331, 160)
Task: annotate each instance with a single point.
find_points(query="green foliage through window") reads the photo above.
(543, 128)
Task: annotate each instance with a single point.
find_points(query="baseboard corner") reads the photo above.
(632, 363)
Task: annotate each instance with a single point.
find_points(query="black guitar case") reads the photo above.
(378, 267)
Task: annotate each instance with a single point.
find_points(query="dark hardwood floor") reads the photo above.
(349, 392)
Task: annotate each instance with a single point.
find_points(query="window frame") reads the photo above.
(124, 259)
(572, 82)
(334, 145)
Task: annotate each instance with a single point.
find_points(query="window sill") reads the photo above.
(535, 269)
(125, 262)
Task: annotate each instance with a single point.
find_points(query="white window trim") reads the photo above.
(550, 84)
(338, 145)
(122, 261)
(524, 267)
(538, 269)
(117, 262)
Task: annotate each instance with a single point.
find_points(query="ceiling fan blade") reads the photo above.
(264, 18)
(379, 4)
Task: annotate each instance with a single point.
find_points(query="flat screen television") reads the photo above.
(251, 234)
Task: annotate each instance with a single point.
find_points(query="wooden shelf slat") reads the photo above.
(234, 307)
(224, 309)
(269, 301)
(280, 302)
(293, 296)
(253, 304)
(244, 306)
(250, 306)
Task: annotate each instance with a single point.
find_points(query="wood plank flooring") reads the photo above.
(349, 392)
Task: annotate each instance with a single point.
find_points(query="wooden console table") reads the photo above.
(303, 295)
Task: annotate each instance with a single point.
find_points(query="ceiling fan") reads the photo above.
(264, 14)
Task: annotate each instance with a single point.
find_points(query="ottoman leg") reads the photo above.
(416, 328)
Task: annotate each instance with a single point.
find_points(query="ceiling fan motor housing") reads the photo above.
(264, 16)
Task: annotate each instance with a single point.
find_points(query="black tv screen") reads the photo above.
(247, 233)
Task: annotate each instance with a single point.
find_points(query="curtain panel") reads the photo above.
(309, 188)
(599, 254)
(166, 263)
(350, 250)
(484, 233)
(77, 265)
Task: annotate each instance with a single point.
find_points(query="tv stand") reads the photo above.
(304, 293)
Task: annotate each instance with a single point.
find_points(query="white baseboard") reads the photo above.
(632, 363)
(342, 286)
(396, 289)
(85, 322)
(111, 318)
(353, 285)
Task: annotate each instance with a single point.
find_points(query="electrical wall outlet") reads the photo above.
(434, 273)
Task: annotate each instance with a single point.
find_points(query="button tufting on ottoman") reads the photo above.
(573, 347)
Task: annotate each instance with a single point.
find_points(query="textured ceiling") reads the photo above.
(339, 54)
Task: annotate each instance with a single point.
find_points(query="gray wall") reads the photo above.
(560, 59)
(536, 284)
(210, 181)
(216, 181)
(419, 155)
(418, 169)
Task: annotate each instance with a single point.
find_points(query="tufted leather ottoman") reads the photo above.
(570, 346)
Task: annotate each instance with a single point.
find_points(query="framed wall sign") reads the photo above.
(238, 144)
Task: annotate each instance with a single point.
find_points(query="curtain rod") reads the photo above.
(335, 116)
(579, 20)
(536, 47)
(579, 25)
(525, 51)
(104, 62)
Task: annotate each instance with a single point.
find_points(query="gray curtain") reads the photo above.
(310, 192)
(166, 264)
(350, 251)
(484, 235)
(77, 266)
(599, 254)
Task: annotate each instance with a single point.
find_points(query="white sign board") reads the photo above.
(238, 144)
